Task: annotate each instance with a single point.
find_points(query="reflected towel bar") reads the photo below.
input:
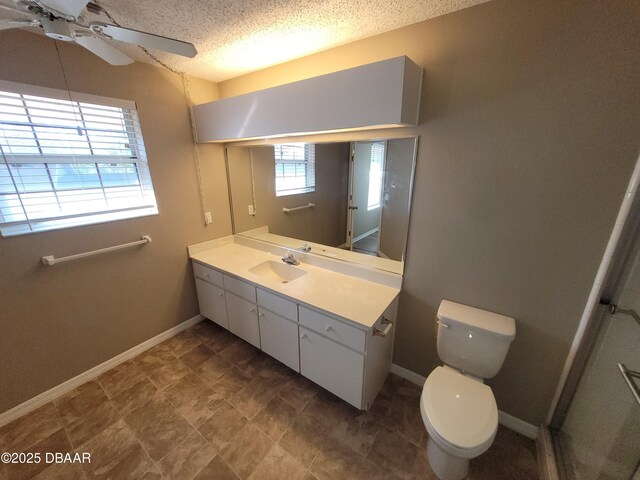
(51, 260)
(385, 331)
(293, 209)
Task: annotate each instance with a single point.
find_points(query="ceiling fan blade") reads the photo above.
(144, 39)
(103, 50)
(7, 24)
(72, 8)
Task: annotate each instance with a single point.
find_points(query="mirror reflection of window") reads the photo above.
(376, 173)
(295, 168)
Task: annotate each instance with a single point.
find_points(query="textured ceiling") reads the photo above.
(234, 37)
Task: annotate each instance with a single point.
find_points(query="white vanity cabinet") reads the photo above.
(278, 318)
(242, 310)
(332, 354)
(345, 357)
(348, 361)
(211, 296)
(331, 365)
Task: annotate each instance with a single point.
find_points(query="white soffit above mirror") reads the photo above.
(378, 95)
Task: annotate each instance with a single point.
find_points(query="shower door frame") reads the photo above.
(627, 244)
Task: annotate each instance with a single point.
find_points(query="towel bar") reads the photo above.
(302, 207)
(51, 260)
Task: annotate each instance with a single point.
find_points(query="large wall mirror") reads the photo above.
(347, 200)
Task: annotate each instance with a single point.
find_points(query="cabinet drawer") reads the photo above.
(284, 308)
(208, 274)
(332, 366)
(333, 329)
(279, 338)
(240, 288)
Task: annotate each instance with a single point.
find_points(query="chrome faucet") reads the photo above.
(290, 259)
(305, 248)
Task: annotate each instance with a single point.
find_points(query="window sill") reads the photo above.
(295, 192)
(59, 224)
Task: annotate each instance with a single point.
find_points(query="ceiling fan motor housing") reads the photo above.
(57, 29)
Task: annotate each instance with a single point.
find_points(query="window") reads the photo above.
(295, 168)
(376, 173)
(67, 162)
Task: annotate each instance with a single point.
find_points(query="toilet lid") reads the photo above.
(461, 410)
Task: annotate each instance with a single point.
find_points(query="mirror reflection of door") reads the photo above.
(365, 196)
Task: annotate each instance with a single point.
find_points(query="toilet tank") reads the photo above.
(473, 340)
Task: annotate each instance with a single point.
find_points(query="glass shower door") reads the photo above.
(600, 436)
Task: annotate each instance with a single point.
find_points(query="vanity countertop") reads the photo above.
(360, 301)
(385, 264)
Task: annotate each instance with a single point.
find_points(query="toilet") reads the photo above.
(458, 409)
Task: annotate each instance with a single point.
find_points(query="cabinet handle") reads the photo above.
(261, 314)
(328, 328)
(205, 275)
(221, 294)
(303, 336)
(252, 310)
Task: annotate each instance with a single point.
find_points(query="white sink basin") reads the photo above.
(278, 271)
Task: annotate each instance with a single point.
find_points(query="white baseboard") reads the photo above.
(413, 377)
(506, 420)
(382, 255)
(78, 380)
(517, 425)
(365, 234)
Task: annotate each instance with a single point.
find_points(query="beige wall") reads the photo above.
(325, 223)
(56, 322)
(529, 129)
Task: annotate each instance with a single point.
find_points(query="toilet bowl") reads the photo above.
(459, 411)
(461, 417)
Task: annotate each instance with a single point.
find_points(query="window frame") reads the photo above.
(138, 160)
(308, 163)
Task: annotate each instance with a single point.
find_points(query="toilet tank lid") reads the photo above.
(465, 316)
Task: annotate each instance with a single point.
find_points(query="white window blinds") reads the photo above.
(68, 162)
(295, 168)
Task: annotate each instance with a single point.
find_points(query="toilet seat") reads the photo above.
(460, 412)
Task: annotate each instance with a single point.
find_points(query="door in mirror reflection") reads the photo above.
(365, 197)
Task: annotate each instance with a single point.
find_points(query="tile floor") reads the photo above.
(367, 245)
(207, 405)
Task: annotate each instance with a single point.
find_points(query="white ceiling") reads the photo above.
(234, 37)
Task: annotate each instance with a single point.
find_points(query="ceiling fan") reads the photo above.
(62, 20)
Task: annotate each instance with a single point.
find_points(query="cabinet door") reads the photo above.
(279, 338)
(212, 303)
(332, 366)
(243, 319)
